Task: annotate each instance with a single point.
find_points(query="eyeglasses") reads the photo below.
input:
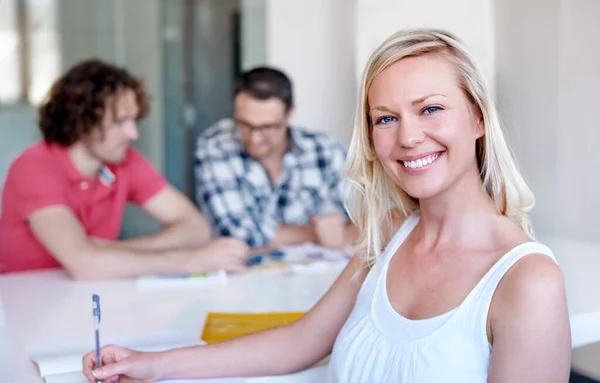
(245, 126)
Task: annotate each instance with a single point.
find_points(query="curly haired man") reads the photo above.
(64, 197)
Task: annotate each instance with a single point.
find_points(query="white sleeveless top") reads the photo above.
(376, 344)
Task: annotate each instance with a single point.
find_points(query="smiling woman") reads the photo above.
(417, 117)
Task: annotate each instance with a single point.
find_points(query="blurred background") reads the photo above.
(541, 57)
(537, 54)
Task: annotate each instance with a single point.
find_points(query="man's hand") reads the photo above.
(331, 230)
(101, 241)
(229, 254)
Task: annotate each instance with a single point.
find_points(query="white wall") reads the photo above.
(470, 20)
(527, 35)
(313, 41)
(547, 80)
(578, 137)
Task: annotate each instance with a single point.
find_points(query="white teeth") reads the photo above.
(420, 162)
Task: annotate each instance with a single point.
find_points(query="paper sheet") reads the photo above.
(310, 251)
(63, 364)
(306, 258)
(215, 279)
(77, 377)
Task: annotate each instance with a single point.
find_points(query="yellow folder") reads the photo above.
(224, 326)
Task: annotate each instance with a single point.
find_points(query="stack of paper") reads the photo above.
(63, 364)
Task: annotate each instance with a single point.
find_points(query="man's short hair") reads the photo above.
(264, 83)
(77, 101)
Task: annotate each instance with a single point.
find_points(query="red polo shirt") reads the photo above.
(43, 175)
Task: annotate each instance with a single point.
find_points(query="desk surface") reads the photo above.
(47, 308)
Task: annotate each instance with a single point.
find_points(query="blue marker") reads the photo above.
(96, 313)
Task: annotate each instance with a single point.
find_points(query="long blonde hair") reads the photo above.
(375, 199)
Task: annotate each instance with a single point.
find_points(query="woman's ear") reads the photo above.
(480, 127)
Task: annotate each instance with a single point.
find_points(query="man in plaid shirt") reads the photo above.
(264, 182)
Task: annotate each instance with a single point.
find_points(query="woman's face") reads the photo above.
(424, 128)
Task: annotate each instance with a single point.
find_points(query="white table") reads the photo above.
(47, 308)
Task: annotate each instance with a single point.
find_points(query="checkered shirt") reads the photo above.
(237, 196)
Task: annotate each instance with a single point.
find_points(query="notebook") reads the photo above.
(62, 364)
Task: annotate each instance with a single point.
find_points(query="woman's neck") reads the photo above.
(461, 214)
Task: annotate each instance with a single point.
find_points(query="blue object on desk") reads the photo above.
(96, 313)
(258, 259)
(254, 260)
(277, 254)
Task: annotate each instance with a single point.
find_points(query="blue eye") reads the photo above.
(384, 120)
(432, 109)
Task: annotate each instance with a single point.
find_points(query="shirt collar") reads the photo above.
(106, 175)
(298, 143)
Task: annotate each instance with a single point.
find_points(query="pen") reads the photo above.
(96, 313)
(258, 258)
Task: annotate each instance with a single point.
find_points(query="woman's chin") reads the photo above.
(422, 192)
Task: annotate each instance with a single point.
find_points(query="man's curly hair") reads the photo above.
(78, 100)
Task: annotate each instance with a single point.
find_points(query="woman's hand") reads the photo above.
(121, 365)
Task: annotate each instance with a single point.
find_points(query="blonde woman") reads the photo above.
(447, 284)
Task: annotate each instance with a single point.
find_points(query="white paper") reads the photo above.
(310, 251)
(72, 377)
(306, 258)
(78, 377)
(215, 279)
(63, 364)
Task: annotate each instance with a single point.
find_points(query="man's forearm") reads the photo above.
(181, 235)
(100, 263)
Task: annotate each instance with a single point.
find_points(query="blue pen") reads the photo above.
(258, 259)
(254, 260)
(96, 313)
(278, 254)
